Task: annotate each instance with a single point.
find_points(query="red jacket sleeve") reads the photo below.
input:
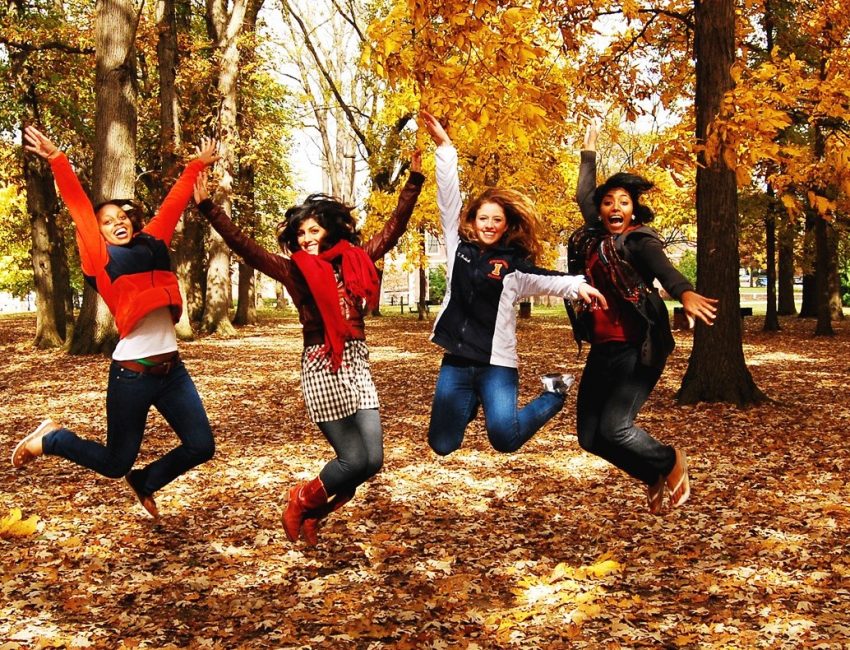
(93, 255)
(163, 224)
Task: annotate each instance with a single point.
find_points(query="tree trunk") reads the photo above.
(525, 309)
(786, 306)
(824, 322)
(716, 369)
(115, 148)
(836, 308)
(809, 305)
(771, 320)
(169, 144)
(246, 306)
(49, 263)
(280, 296)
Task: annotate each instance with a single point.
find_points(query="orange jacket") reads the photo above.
(136, 278)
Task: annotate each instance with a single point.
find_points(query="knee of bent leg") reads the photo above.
(504, 444)
(118, 470)
(442, 446)
(203, 451)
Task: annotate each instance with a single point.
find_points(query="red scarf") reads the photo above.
(360, 279)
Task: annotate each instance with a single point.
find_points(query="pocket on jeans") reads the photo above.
(124, 374)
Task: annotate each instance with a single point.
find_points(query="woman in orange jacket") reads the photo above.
(128, 265)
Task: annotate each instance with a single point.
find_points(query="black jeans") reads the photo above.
(614, 386)
(129, 397)
(358, 441)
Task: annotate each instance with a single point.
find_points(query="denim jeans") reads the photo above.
(129, 397)
(613, 388)
(358, 441)
(462, 387)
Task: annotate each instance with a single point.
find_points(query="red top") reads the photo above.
(620, 322)
(136, 278)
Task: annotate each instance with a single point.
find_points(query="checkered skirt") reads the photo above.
(330, 396)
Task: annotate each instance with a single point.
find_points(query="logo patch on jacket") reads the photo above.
(500, 267)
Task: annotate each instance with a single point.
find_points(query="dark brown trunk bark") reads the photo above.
(786, 305)
(771, 319)
(824, 322)
(716, 369)
(51, 279)
(49, 262)
(836, 308)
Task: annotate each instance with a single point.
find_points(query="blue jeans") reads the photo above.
(129, 397)
(613, 388)
(462, 387)
(358, 441)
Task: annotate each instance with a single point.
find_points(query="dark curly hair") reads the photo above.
(331, 214)
(635, 185)
(133, 212)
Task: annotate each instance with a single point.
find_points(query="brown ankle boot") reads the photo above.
(302, 498)
(310, 528)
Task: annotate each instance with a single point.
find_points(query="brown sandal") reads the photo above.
(677, 481)
(655, 496)
(21, 455)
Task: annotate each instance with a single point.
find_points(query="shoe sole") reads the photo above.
(152, 512)
(684, 480)
(18, 454)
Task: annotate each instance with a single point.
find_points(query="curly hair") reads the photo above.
(330, 213)
(635, 186)
(133, 212)
(523, 231)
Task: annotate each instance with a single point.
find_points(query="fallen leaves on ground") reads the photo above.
(545, 548)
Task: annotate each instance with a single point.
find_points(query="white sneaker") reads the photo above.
(557, 383)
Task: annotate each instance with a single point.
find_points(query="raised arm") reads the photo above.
(448, 185)
(381, 243)
(93, 255)
(587, 176)
(163, 224)
(275, 266)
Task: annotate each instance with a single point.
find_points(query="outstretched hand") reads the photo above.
(40, 144)
(416, 161)
(200, 191)
(592, 296)
(207, 151)
(591, 133)
(435, 129)
(698, 306)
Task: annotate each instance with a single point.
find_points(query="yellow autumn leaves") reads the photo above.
(578, 590)
(13, 525)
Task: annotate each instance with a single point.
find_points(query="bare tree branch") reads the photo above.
(326, 75)
(47, 45)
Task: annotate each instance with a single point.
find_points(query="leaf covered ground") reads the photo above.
(545, 548)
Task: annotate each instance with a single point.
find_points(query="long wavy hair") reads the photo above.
(523, 231)
(330, 213)
(636, 186)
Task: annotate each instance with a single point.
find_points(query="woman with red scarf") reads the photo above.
(332, 281)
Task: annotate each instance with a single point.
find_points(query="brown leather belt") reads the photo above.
(163, 364)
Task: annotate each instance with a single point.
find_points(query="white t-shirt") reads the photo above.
(153, 334)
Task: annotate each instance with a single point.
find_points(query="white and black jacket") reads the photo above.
(478, 317)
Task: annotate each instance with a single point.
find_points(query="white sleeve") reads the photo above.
(538, 284)
(448, 199)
